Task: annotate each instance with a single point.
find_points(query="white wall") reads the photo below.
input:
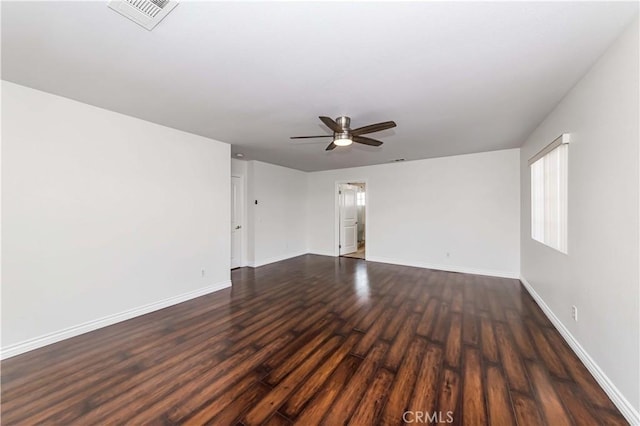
(600, 274)
(277, 224)
(102, 214)
(467, 206)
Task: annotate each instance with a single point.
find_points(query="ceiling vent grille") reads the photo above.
(147, 13)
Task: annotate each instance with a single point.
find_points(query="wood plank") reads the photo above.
(272, 328)
(498, 401)
(457, 303)
(473, 402)
(365, 322)
(347, 401)
(311, 385)
(548, 356)
(400, 344)
(428, 318)
(277, 420)
(421, 298)
(520, 335)
(317, 314)
(579, 372)
(527, 413)
(228, 407)
(403, 384)
(425, 391)
(276, 397)
(316, 409)
(488, 340)
(448, 400)
(552, 409)
(609, 418)
(454, 341)
(296, 358)
(83, 374)
(131, 397)
(511, 361)
(371, 336)
(533, 312)
(320, 331)
(370, 407)
(192, 397)
(497, 312)
(470, 334)
(578, 407)
(441, 326)
(399, 319)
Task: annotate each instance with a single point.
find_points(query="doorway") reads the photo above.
(352, 206)
(237, 219)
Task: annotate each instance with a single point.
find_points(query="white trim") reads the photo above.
(57, 336)
(564, 138)
(448, 268)
(274, 259)
(321, 253)
(628, 411)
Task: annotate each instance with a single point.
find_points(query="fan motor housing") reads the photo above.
(344, 122)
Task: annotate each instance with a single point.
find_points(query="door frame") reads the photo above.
(243, 224)
(336, 219)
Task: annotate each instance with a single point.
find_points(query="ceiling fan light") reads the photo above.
(343, 142)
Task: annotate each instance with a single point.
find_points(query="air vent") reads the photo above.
(146, 13)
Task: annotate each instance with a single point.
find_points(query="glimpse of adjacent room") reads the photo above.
(352, 212)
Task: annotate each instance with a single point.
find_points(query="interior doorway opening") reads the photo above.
(352, 213)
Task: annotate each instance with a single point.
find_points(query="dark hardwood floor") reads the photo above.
(318, 340)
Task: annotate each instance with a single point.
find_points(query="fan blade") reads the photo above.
(331, 124)
(302, 142)
(371, 128)
(331, 146)
(309, 137)
(367, 141)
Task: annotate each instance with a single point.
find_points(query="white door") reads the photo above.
(237, 204)
(348, 219)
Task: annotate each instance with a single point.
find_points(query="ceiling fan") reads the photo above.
(344, 136)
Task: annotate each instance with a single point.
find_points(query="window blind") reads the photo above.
(549, 194)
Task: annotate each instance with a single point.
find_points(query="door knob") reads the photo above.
(238, 227)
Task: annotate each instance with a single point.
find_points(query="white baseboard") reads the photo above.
(628, 411)
(56, 336)
(274, 259)
(448, 268)
(319, 253)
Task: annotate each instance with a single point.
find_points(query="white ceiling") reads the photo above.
(456, 77)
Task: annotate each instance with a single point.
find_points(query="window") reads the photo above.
(549, 194)
(360, 198)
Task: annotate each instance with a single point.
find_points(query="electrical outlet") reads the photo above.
(202, 272)
(574, 313)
